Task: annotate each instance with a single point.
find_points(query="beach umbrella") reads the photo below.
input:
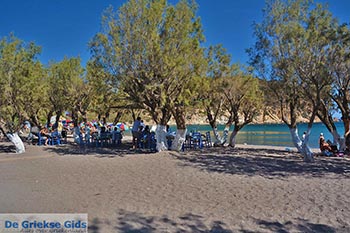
(122, 126)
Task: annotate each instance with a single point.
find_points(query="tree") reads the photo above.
(291, 51)
(153, 50)
(19, 70)
(65, 87)
(243, 101)
(338, 67)
(212, 96)
(231, 92)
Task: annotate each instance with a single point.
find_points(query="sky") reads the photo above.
(65, 27)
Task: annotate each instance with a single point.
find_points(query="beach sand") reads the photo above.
(246, 189)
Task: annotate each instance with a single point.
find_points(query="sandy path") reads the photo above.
(241, 190)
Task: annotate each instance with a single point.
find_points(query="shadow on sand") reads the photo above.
(100, 152)
(263, 162)
(7, 148)
(133, 222)
(299, 225)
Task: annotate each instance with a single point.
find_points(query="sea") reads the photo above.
(272, 134)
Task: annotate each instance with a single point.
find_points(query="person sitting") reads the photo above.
(145, 138)
(44, 132)
(324, 146)
(116, 136)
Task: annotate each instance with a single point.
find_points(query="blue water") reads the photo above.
(272, 134)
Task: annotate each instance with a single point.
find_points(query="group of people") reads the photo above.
(325, 146)
(88, 132)
(48, 133)
(141, 135)
(328, 148)
(85, 132)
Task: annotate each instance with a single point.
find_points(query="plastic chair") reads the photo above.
(197, 140)
(187, 143)
(207, 140)
(55, 139)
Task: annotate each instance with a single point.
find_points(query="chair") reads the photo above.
(153, 142)
(116, 138)
(105, 138)
(197, 140)
(55, 139)
(207, 140)
(187, 143)
(96, 139)
(41, 140)
(64, 136)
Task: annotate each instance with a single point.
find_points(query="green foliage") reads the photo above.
(101, 87)
(20, 72)
(243, 96)
(229, 91)
(153, 50)
(291, 52)
(338, 65)
(64, 79)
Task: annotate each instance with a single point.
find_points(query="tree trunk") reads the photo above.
(337, 139)
(212, 122)
(75, 119)
(76, 135)
(58, 115)
(34, 120)
(225, 134)
(117, 118)
(83, 114)
(161, 138)
(346, 122)
(296, 139)
(233, 138)
(16, 140)
(49, 115)
(179, 115)
(305, 149)
(217, 136)
(179, 139)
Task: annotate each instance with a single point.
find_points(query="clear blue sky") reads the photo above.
(64, 27)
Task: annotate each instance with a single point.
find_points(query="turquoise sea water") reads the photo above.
(272, 134)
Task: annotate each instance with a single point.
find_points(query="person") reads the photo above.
(136, 132)
(169, 136)
(145, 137)
(44, 132)
(324, 146)
(142, 126)
(59, 127)
(303, 137)
(116, 136)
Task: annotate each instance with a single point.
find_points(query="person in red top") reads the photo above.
(323, 144)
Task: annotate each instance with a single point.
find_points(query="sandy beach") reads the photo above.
(246, 189)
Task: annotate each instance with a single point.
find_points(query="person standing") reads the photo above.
(303, 137)
(136, 132)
